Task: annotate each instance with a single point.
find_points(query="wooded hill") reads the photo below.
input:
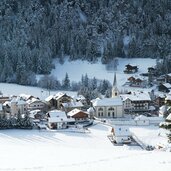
(33, 32)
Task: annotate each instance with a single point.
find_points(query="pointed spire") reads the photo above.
(114, 80)
(115, 91)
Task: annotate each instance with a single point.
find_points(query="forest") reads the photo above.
(34, 32)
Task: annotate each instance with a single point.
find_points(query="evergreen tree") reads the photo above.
(66, 82)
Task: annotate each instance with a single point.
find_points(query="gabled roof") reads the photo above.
(169, 117)
(167, 85)
(107, 102)
(58, 116)
(56, 96)
(74, 112)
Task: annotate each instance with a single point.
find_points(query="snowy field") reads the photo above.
(54, 151)
(76, 69)
(14, 89)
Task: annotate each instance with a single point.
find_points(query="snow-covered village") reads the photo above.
(85, 85)
(73, 132)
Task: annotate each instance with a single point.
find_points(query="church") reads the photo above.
(109, 107)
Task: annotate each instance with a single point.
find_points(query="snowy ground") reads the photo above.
(14, 89)
(76, 69)
(44, 151)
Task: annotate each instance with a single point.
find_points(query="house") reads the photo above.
(164, 111)
(166, 87)
(71, 105)
(26, 97)
(58, 120)
(109, 107)
(3, 99)
(35, 103)
(55, 101)
(36, 114)
(168, 99)
(80, 98)
(160, 100)
(121, 134)
(78, 115)
(129, 69)
(136, 101)
(168, 118)
(14, 106)
(137, 82)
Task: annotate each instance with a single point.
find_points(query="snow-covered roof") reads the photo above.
(169, 117)
(121, 131)
(141, 117)
(136, 96)
(18, 101)
(7, 103)
(90, 110)
(74, 112)
(72, 104)
(163, 109)
(33, 100)
(169, 74)
(79, 97)
(56, 96)
(49, 98)
(107, 102)
(58, 116)
(25, 96)
(168, 97)
(167, 85)
(34, 112)
(161, 95)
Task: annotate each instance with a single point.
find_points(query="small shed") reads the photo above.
(121, 134)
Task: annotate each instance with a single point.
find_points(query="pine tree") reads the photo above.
(66, 82)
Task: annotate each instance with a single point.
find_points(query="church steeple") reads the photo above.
(115, 91)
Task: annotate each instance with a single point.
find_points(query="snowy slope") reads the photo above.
(14, 89)
(76, 69)
(40, 150)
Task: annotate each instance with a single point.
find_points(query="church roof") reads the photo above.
(107, 102)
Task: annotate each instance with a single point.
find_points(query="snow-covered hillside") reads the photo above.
(76, 69)
(14, 89)
(43, 151)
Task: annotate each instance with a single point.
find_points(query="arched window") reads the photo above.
(100, 112)
(111, 112)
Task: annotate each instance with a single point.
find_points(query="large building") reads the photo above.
(109, 107)
(136, 101)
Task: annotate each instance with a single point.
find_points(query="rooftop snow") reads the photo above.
(136, 96)
(107, 102)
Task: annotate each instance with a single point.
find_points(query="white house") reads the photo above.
(136, 101)
(57, 119)
(109, 107)
(17, 104)
(121, 134)
(35, 103)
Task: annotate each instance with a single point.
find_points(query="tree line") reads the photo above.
(34, 32)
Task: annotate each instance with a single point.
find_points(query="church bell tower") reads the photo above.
(115, 91)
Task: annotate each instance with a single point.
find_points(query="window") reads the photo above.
(111, 112)
(100, 112)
